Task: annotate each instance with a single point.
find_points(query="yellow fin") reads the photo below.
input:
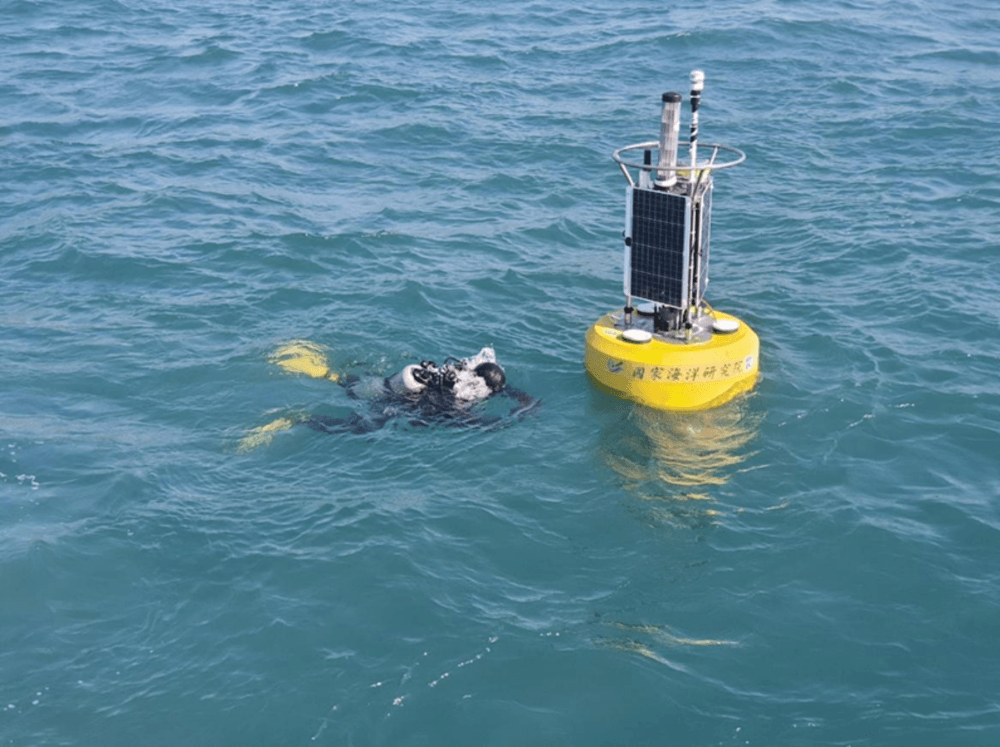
(302, 356)
(263, 435)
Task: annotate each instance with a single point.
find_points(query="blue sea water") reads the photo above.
(186, 186)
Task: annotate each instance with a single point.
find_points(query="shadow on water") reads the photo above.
(671, 461)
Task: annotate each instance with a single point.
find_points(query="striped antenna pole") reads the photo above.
(697, 86)
(694, 237)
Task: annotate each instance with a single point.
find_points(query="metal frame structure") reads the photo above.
(656, 240)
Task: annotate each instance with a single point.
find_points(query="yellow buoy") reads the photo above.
(670, 374)
(673, 352)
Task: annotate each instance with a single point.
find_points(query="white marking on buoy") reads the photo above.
(637, 335)
(725, 326)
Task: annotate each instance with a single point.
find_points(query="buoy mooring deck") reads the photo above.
(673, 351)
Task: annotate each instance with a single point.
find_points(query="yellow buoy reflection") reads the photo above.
(645, 640)
(673, 467)
(663, 634)
(697, 448)
(670, 458)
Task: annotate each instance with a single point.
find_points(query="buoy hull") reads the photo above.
(667, 374)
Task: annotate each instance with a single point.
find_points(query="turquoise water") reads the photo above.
(185, 186)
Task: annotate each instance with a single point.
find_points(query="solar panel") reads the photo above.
(656, 229)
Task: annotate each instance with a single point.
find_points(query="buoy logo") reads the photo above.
(616, 367)
(748, 363)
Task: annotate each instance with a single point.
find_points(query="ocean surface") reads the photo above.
(187, 186)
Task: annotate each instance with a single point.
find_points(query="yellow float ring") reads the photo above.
(666, 374)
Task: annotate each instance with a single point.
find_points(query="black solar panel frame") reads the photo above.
(704, 213)
(658, 233)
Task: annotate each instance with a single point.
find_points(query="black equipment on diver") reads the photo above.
(492, 374)
(430, 377)
(425, 374)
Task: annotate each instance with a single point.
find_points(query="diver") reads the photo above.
(422, 394)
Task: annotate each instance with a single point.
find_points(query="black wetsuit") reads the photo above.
(433, 406)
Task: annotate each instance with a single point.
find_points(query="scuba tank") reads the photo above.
(411, 380)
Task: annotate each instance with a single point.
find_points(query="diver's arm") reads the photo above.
(523, 398)
(525, 402)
